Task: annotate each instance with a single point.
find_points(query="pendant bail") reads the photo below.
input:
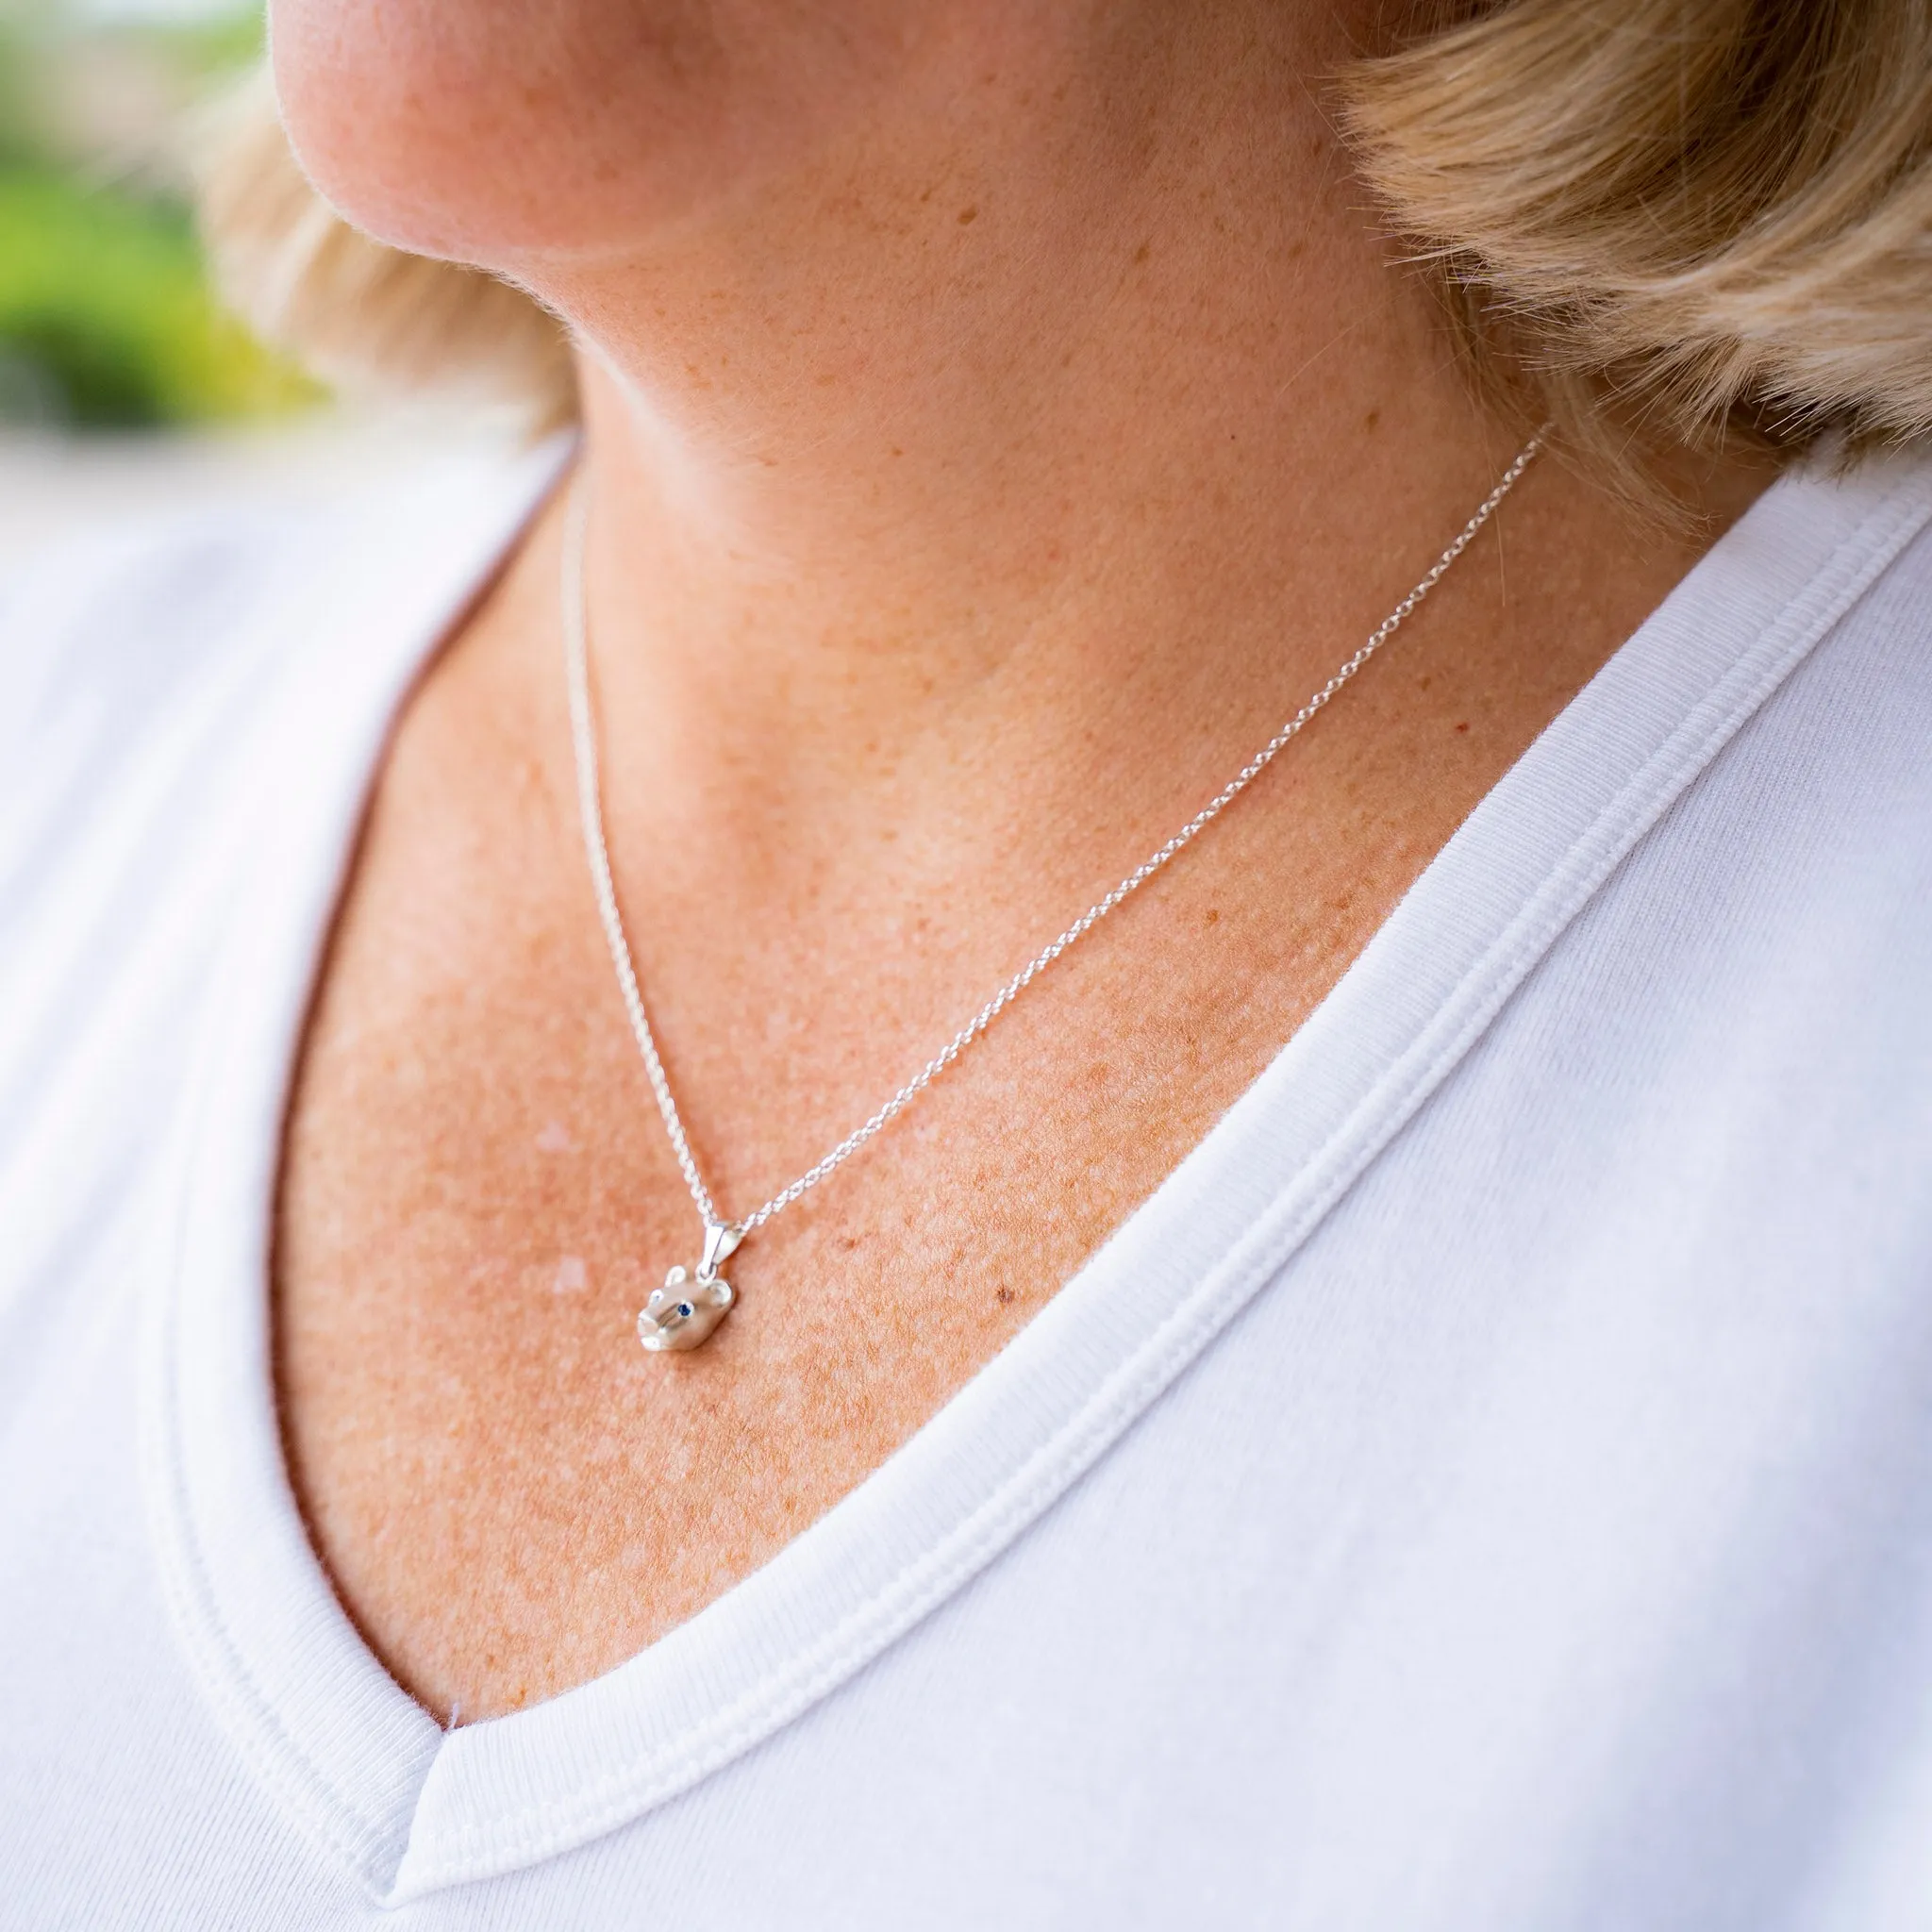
(719, 1243)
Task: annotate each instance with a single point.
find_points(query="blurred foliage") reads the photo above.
(106, 317)
(106, 321)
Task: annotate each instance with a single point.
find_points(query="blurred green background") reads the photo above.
(107, 321)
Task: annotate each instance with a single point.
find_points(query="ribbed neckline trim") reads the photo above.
(369, 1776)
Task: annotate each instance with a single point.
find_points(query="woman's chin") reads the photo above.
(525, 131)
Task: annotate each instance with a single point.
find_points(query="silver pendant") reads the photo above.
(683, 1312)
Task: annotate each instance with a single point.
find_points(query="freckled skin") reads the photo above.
(940, 568)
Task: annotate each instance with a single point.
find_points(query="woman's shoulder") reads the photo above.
(148, 670)
(162, 684)
(127, 652)
(117, 635)
(105, 625)
(143, 663)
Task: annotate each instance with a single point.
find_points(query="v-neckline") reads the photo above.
(411, 1809)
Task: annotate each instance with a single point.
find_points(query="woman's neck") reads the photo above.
(1006, 466)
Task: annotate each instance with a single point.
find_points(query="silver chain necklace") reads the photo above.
(692, 1301)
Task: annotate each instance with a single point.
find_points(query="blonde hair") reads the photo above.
(1703, 218)
(1681, 221)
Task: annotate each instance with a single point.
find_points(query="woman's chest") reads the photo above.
(478, 1196)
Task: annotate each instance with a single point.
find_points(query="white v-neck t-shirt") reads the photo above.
(1488, 1485)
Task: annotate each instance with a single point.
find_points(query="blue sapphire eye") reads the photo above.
(686, 1309)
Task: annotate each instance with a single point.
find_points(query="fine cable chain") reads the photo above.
(590, 805)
